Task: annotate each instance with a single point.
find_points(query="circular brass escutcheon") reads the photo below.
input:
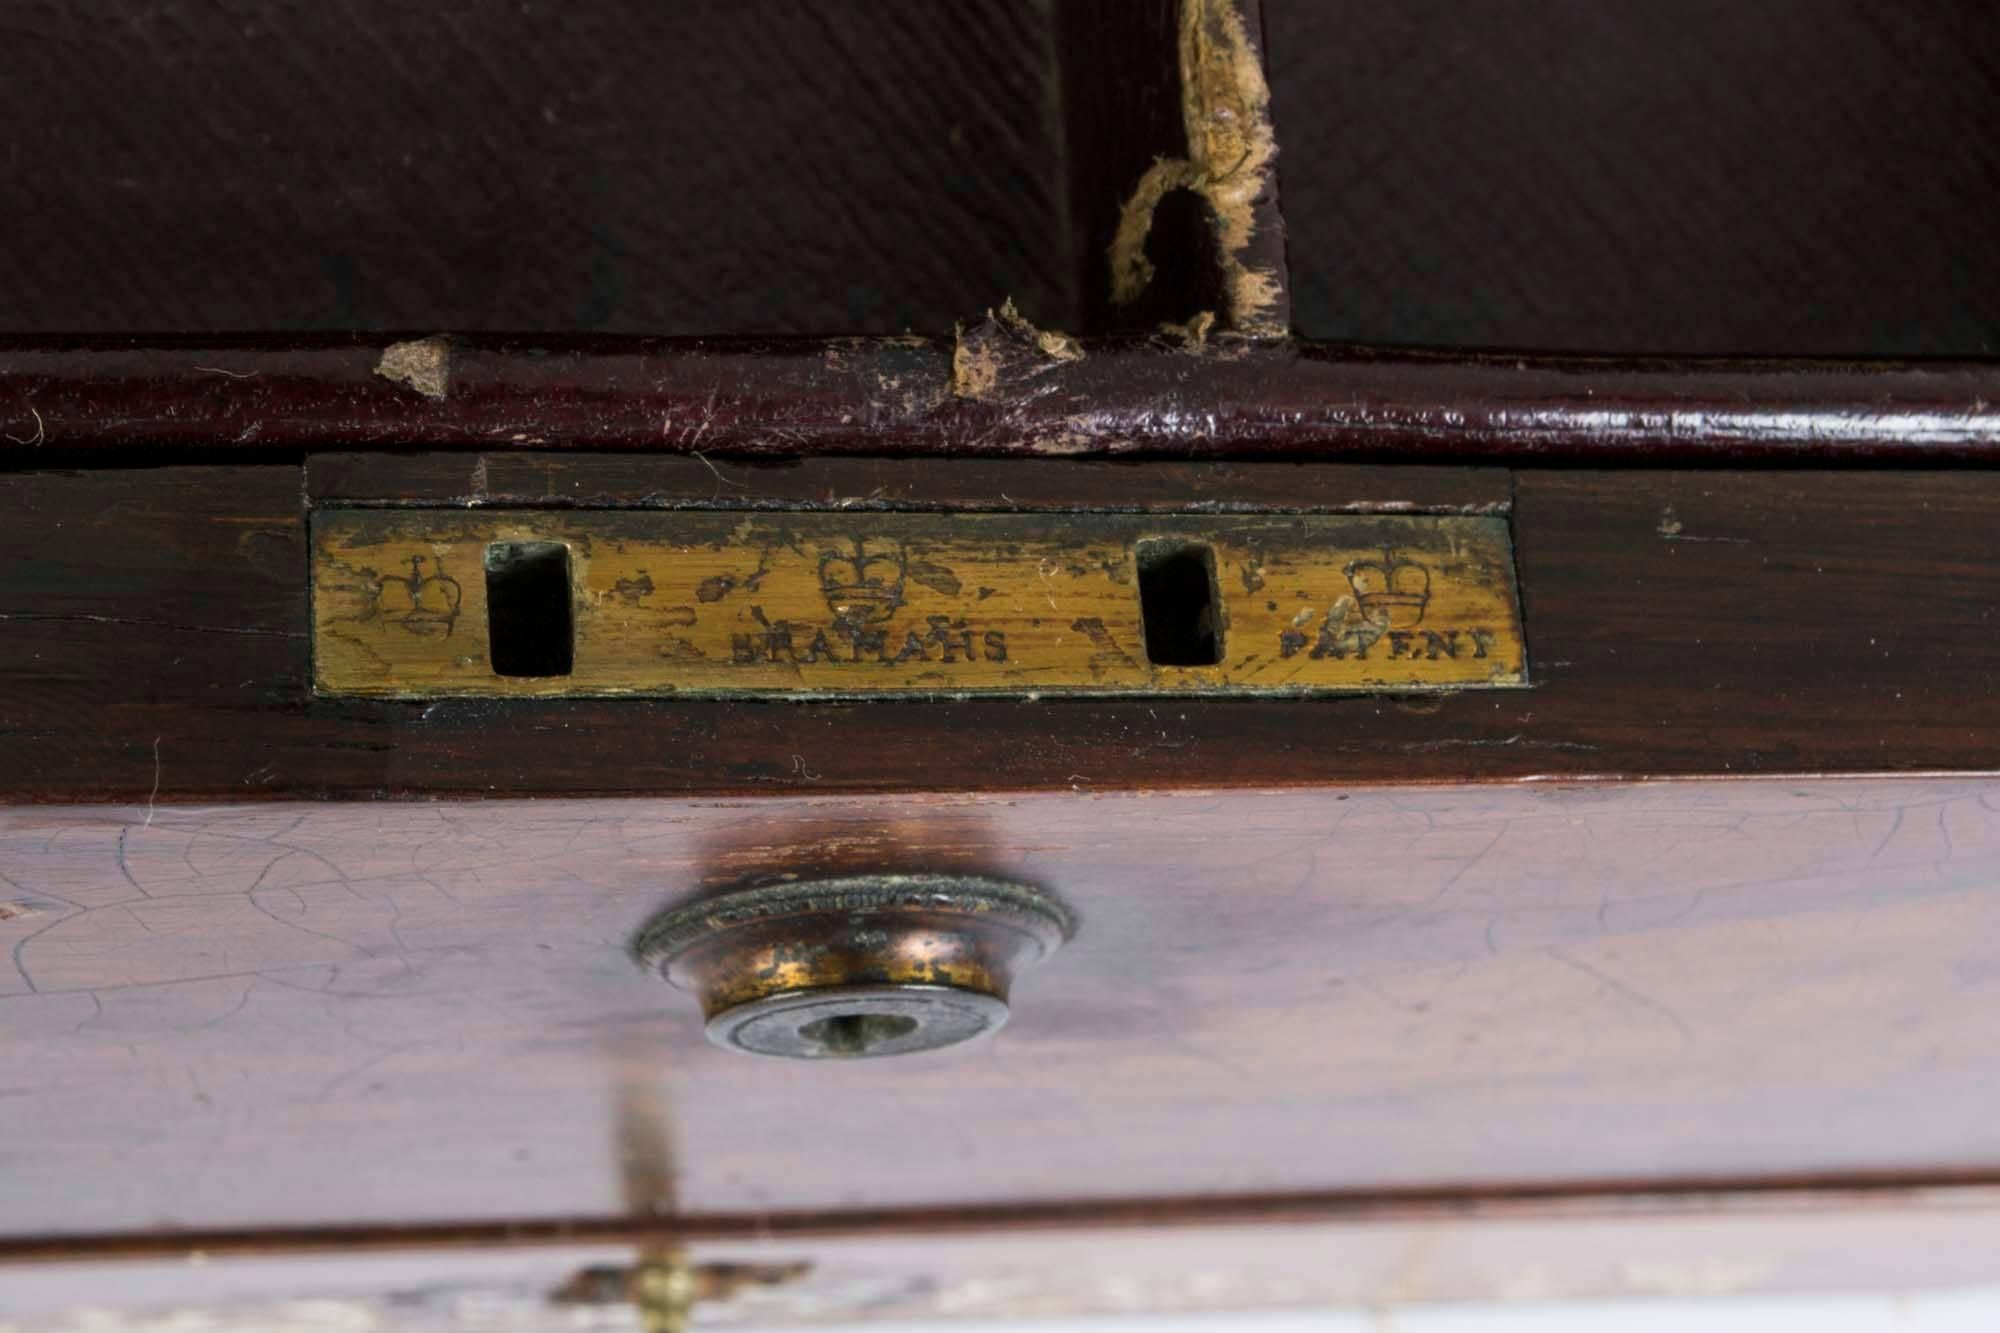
(857, 967)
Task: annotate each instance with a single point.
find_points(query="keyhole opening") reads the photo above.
(856, 1034)
(528, 621)
(1179, 604)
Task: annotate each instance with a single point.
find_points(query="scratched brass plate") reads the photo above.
(830, 604)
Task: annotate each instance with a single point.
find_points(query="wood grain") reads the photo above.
(156, 643)
(1464, 989)
(1382, 960)
(541, 480)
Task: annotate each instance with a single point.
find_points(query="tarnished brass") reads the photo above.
(857, 967)
(665, 1285)
(419, 603)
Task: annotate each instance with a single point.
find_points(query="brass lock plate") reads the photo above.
(427, 603)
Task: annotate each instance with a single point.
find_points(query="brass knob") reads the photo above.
(857, 967)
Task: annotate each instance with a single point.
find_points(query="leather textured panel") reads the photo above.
(1713, 176)
(696, 167)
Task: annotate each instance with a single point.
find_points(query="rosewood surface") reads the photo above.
(304, 1014)
(1380, 997)
(1679, 623)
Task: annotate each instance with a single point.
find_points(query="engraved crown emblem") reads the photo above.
(1392, 592)
(423, 603)
(864, 586)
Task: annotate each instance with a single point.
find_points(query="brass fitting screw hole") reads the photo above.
(854, 1034)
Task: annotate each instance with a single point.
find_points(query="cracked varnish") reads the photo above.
(311, 1013)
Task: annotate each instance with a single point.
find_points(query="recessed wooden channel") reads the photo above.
(426, 603)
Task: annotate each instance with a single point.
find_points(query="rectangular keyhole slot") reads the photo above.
(1178, 602)
(528, 623)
